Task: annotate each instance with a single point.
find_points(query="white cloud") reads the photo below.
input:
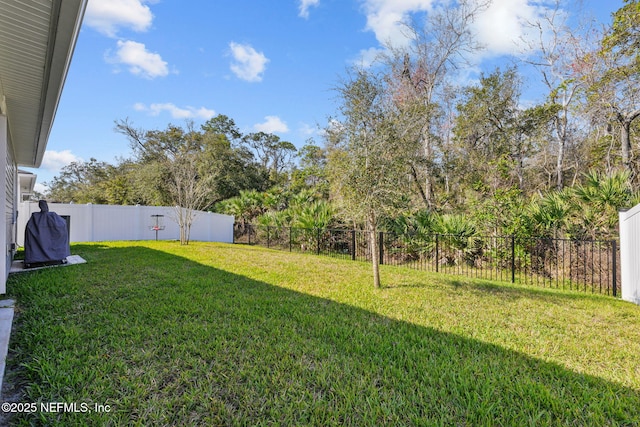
(502, 27)
(367, 57)
(272, 124)
(248, 63)
(40, 188)
(385, 17)
(305, 5)
(187, 112)
(53, 161)
(107, 16)
(306, 130)
(139, 60)
(505, 25)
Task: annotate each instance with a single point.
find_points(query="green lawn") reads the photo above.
(215, 334)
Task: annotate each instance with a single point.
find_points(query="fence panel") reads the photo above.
(585, 265)
(93, 223)
(630, 252)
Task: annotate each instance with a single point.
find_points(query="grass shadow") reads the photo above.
(163, 340)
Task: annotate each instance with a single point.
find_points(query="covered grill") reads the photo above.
(46, 238)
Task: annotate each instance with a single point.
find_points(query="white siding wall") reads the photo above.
(630, 254)
(95, 223)
(5, 234)
(11, 202)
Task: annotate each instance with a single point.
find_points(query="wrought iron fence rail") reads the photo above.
(585, 265)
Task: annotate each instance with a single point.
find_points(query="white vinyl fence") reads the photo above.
(630, 254)
(95, 223)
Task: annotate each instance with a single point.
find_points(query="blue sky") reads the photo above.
(269, 65)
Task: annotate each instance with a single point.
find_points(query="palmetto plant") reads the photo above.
(303, 198)
(459, 240)
(310, 220)
(275, 199)
(416, 232)
(600, 197)
(421, 233)
(317, 215)
(605, 190)
(551, 214)
(276, 219)
(273, 226)
(421, 238)
(589, 210)
(245, 207)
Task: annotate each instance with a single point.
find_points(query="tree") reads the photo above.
(420, 75)
(189, 190)
(368, 161)
(273, 154)
(311, 172)
(68, 186)
(494, 135)
(223, 125)
(559, 56)
(616, 89)
(177, 154)
(233, 166)
(91, 182)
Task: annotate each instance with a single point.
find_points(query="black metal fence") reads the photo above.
(586, 265)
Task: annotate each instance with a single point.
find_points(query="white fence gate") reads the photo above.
(630, 254)
(95, 223)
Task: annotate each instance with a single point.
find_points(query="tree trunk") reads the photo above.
(428, 187)
(559, 165)
(561, 131)
(416, 180)
(626, 120)
(626, 145)
(375, 252)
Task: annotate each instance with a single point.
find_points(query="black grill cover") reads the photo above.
(46, 239)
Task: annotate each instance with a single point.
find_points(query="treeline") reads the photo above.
(227, 160)
(425, 152)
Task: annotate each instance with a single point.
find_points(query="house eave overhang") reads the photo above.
(37, 39)
(26, 181)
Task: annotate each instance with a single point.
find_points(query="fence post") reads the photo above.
(381, 246)
(614, 254)
(513, 259)
(353, 245)
(437, 252)
(249, 229)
